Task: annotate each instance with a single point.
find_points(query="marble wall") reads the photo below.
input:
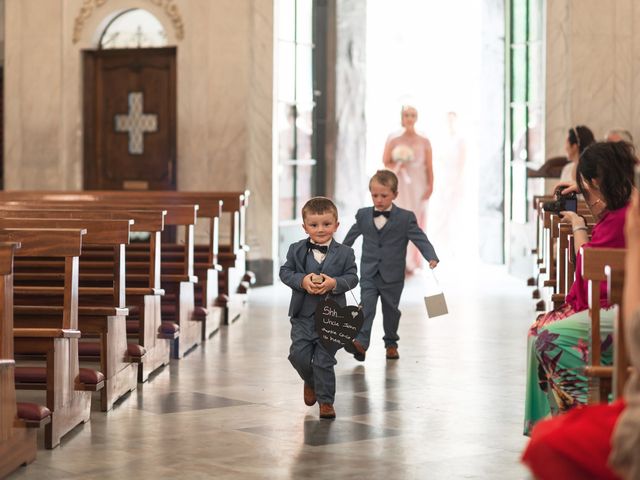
(225, 96)
(592, 68)
(592, 78)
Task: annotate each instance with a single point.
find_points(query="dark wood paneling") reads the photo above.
(109, 77)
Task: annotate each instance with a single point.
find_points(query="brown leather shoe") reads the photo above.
(309, 395)
(327, 411)
(359, 353)
(392, 353)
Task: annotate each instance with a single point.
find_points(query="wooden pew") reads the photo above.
(143, 292)
(564, 260)
(621, 364)
(552, 267)
(68, 388)
(594, 261)
(17, 435)
(102, 304)
(234, 278)
(177, 278)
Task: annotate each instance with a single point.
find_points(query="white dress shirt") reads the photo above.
(317, 254)
(381, 220)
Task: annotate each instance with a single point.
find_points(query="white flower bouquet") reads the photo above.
(402, 154)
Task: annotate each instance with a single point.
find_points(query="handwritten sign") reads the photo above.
(337, 326)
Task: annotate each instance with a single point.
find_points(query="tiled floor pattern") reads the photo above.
(451, 407)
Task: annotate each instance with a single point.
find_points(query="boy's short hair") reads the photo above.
(318, 206)
(386, 178)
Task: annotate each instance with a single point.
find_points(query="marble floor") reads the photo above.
(450, 407)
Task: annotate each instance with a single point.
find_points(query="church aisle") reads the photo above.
(451, 407)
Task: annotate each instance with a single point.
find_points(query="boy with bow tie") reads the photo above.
(386, 230)
(316, 267)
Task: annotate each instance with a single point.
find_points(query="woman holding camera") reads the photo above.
(558, 340)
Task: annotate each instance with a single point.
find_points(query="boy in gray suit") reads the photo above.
(386, 230)
(316, 267)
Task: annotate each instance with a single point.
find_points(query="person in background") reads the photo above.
(409, 156)
(618, 135)
(578, 139)
(386, 231)
(558, 340)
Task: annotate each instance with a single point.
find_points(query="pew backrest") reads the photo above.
(64, 243)
(594, 261)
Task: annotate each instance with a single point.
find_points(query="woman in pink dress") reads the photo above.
(409, 156)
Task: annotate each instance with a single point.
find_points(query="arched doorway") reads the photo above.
(130, 106)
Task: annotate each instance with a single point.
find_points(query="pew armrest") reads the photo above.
(597, 371)
(103, 311)
(178, 278)
(140, 291)
(46, 333)
(58, 310)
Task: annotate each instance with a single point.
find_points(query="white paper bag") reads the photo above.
(436, 303)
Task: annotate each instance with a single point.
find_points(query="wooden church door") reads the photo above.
(130, 119)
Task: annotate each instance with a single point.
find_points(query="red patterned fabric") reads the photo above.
(574, 446)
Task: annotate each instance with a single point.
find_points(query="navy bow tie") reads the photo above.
(315, 246)
(385, 214)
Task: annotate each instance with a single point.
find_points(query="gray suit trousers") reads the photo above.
(311, 360)
(389, 293)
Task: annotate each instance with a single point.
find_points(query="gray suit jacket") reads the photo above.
(340, 263)
(385, 250)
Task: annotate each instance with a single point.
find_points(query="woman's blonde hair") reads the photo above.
(405, 107)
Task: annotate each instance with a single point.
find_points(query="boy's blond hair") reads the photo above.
(385, 178)
(318, 206)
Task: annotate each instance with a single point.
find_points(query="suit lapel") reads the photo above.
(330, 258)
(301, 254)
(371, 223)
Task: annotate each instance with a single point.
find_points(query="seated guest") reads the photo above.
(558, 340)
(618, 135)
(578, 139)
(580, 443)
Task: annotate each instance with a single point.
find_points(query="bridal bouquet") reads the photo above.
(402, 154)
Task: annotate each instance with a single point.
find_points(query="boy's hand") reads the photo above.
(326, 286)
(433, 264)
(309, 286)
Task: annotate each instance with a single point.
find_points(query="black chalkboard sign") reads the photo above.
(337, 326)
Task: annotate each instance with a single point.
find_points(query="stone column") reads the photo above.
(350, 170)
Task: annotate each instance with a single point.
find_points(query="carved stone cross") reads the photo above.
(136, 123)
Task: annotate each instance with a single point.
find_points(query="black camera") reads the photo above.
(562, 203)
